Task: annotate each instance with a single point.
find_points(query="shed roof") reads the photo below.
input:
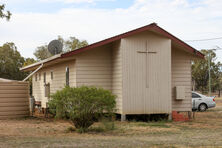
(7, 80)
(151, 27)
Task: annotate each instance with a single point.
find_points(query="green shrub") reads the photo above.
(57, 103)
(82, 105)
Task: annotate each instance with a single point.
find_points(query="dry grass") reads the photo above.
(205, 130)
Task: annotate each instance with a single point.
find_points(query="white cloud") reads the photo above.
(197, 20)
(74, 1)
(69, 1)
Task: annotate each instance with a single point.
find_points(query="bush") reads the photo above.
(82, 105)
(57, 103)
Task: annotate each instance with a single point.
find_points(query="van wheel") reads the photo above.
(202, 107)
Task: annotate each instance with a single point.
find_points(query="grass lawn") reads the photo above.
(205, 130)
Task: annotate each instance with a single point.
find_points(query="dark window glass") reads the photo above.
(195, 95)
(51, 75)
(67, 76)
(39, 76)
(44, 77)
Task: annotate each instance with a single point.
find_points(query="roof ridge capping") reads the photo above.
(153, 26)
(111, 39)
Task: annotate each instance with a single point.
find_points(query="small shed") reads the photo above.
(14, 99)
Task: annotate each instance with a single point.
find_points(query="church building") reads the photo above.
(148, 69)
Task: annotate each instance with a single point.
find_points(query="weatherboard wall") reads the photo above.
(93, 68)
(57, 83)
(181, 76)
(101, 67)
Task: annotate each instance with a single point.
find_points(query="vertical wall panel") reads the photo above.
(137, 98)
(117, 74)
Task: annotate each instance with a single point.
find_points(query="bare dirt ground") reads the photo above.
(204, 131)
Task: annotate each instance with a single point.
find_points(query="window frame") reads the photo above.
(44, 77)
(52, 75)
(36, 77)
(39, 76)
(67, 76)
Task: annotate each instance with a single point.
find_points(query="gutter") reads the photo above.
(33, 72)
(40, 62)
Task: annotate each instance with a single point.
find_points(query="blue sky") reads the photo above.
(37, 22)
(48, 6)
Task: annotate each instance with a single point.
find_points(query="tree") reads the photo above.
(29, 61)
(10, 62)
(200, 72)
(72, 43)
(42, 52)
(3, 14)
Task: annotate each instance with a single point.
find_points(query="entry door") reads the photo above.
(146, 74)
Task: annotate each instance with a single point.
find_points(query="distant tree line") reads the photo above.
(11, 60)
(200, 72)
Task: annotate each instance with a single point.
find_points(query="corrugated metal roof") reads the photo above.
(151, 27)
(43, 61)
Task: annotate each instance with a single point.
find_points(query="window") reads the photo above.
(47, 90)
(67, 76)
(44, 77)
(36, 77)
(39, 76)
(51, 75)
(194, 95)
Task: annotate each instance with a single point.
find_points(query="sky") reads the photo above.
(37, 22)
